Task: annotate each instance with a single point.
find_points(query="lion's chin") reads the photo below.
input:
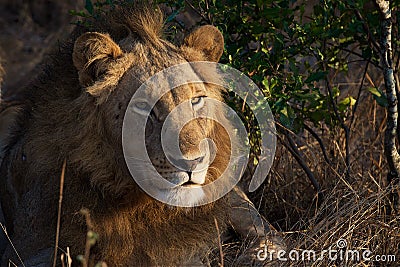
(184, 196)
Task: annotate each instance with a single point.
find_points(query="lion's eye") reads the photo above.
(142, 107)
(197, 102)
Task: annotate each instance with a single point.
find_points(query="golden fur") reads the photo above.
(74, 112)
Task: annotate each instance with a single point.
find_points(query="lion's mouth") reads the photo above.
(190, 184)
(187, 179)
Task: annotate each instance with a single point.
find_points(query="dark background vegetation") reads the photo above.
(318, 64)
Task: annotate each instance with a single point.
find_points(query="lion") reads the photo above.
(73, 114)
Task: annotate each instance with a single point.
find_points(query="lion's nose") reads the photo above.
(192, 164)
(188, 165)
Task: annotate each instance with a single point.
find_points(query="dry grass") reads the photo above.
(354, 208)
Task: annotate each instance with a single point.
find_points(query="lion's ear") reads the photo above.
(208, 40)
(91, 55)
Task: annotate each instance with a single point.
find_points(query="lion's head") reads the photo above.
(110, 72)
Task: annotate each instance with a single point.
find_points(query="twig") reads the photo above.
(371, 38)
(66, 258)
(292, 147)
(319, 140)
(296, 153)
(359, 94)
(88, 243)
(196, 11)
(219, 243)
(356, 54)
(344, 127)
(59, 212)
(396, 77)
(9, 240)
(397, 65)
(208, 12)
(69, 259)
(62, 260)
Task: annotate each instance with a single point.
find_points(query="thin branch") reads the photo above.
(292, 147)
(397, 65)
(359, 94)
(398, 104)
(219, 243)
(319, 140)
(210, 20)
(303, 164)
(85, 212)
(196, 11)
(344, 127)
(12, 245)
(59, 212)
(356, 54)
(371, 38)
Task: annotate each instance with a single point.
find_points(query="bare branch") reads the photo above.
(292, 147)
(196, 11)
(319, 140)
(359, 94)
(344, 127)
(59, 212)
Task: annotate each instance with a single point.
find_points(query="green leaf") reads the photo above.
(316, 116)
(265, 83)
(375, 91)
(346, 102)
(89, 6)
(379, 96)
(172, 16)
(255, 161)
(287, 117)
(316, 76)
(335, 92)
(382, 101)
(285, 121)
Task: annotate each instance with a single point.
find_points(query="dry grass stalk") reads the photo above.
(59, 212)
(221, 264)
(9, 240)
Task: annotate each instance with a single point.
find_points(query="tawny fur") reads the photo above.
(73, 113)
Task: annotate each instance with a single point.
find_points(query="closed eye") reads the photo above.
(141, 107)
(197, 102)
